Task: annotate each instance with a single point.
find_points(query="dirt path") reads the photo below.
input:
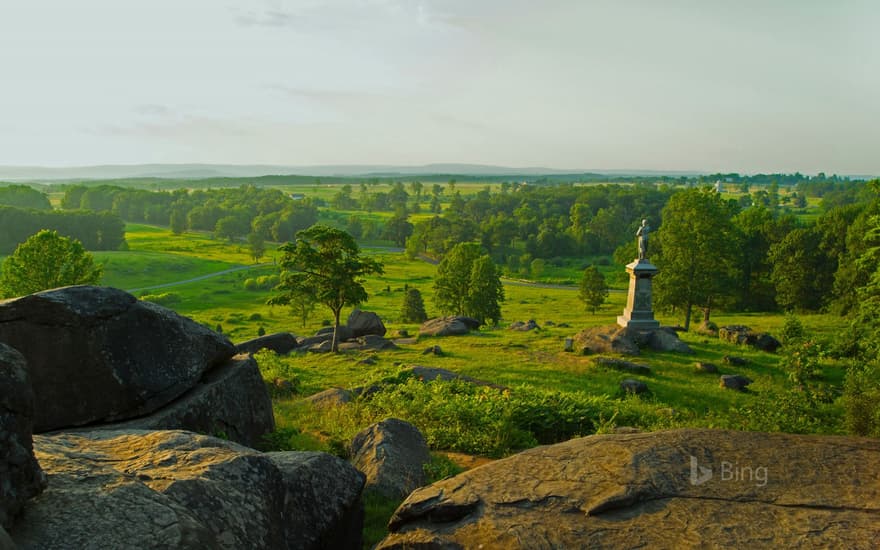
(199, 278)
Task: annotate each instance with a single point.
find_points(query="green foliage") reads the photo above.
(166, 299)
(326, 263)
(802, 361)
(22, 196)
(469, 283)
(256, 246)
(280, 377)
(46, 260)
(802, 272)
(96, 231)
(263, 282)
(792, 331)
(413, 310)
(440, 467)
(593, 289)
(862, 399)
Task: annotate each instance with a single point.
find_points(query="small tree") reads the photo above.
(47, 260)
(324, 262)
(468, 283)
(593, 289)
(256, 246)
(413, 310)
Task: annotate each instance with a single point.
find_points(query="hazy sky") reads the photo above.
(710, 85)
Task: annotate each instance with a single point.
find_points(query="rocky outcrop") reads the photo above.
(332, 397)
(231, 401)
(97, 354)
(628, 341)
(673, 489)
(20, 476)
(448, 326)
(281, 343)
(744, 336)
(174, 489)
(367, 343)
(734, 382)
(362, 323)
(391, 454)
(524, 326)
(632, 386)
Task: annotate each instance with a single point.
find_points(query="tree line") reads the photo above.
(95, 230)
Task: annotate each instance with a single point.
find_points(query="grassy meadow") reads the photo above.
(552, 394)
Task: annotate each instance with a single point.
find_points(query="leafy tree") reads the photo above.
(698, 249)
(47, 260)
(593, 289)
(413, 310)
(468, 283)
(326, 263)
(22, 196)
(802, 272)
(256, 246)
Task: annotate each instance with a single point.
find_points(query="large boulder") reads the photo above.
(391, 454)
(734, 382)
(362, 323)
(281, 343)
(175, 489)
(456, 325)
(607, 339)
(672, 489)
(621, 365)
(331, 397)
(736, 334)
(429, 374)
(20, 475)
(97, 354)
(231, 401)
(666, 339)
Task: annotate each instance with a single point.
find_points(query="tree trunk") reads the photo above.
(707, 310)
(687, 317)
(334, 347)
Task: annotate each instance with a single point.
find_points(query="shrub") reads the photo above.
(413, 310)
(280, 377)
(792, 330)
(861, 400)
(165, 299)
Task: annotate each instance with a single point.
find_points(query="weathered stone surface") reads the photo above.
(176, 489)
(448, 326)
(20, 476)
(633, 386)
(625, 491)
(702, 366)
(522, 326)
(766, 342)
(281, 343)
(606, 339)
(736, 334)
(6, 542)
(734, 382)
(735, 361)
(666, 339)
(391, 454)
(327, 332)
(97, 354)
(621, 365)
(366, 343)
(230, 401)
(331, 397)
(362, 323)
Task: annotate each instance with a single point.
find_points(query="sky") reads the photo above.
(704, 85)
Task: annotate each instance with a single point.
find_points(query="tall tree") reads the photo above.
(413, 310)
(256, 246)
(802, 272)
(468, 283)
(327, 263)
(593, 289)
(698, 251)
(47, 260)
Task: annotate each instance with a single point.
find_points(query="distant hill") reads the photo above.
(200, 171)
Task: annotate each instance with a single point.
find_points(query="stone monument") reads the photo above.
(639, 313)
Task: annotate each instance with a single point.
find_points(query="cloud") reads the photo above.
(269, 18)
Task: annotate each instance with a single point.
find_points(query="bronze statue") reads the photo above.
(642, 234)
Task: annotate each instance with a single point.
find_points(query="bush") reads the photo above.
(165, 299)
(861, 400)
(280, 377)
(264, 282)
(793, 330)
(413, 310)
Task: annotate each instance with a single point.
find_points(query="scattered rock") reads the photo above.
(175, 489)
(333, 397)
(708, 327)
(549, 324)
(231, 401)
(433, 350)
(20, 475)
(281, 343)
(666, 339)
(366, 391)
(621, 365)
(362, 323)
(734, 382)
(97, 354)
(606, 339)
(563, 325)
(326, 333)
(633, 386)
(621, 491)
(403, 333)
(736, 334)
(569, 344)
(448, 326)
(735, 361)
(765, 342)
(371, 360)
(368, 342)
(524, 326)
(391, 454)
(706, 367)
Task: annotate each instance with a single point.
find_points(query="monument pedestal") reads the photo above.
(639, 313)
